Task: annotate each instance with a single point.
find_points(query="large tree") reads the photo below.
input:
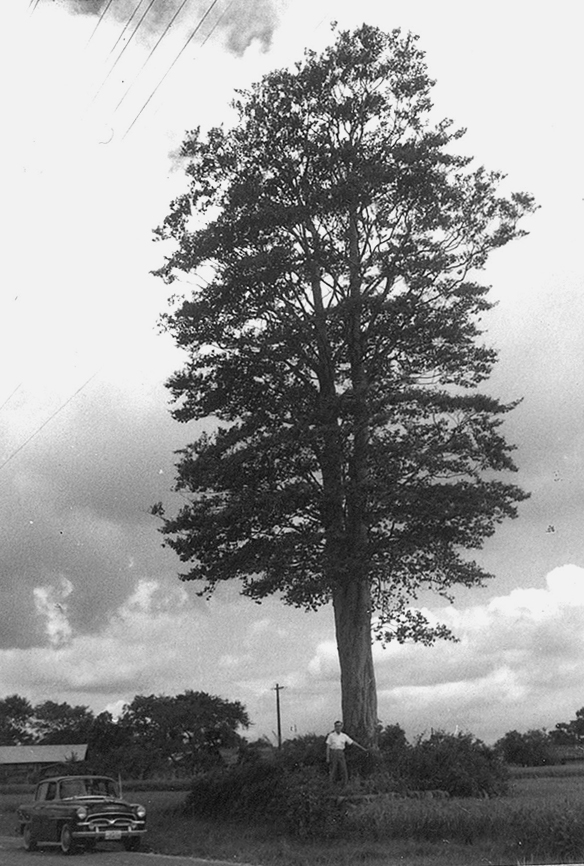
(333, 236)
(16, 721)
(61, 723)
(186, 729)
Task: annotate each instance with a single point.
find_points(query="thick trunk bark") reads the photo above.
(352, 608)
(344, 508)
(352, 595)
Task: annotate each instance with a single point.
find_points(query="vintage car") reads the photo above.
(73, 812)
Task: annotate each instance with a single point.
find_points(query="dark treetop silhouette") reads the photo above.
(333, 339)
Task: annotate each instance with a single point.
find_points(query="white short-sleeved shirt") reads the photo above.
(338, 741)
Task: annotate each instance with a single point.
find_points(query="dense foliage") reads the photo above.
(292, 787)
(333, 237)
(569, 733)
(534, 748)
(155, 735)
(457, 763)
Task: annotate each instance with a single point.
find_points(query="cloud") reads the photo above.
(74, 509)
(519, 664)
(241, 24)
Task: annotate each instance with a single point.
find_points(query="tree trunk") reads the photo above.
(352, 607)
(352, 593)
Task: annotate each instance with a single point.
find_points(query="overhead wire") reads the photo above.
(101, 17)
(180, 53)
(10, 396)
(47, 421)
(121, 54)
(159, 40)
(126, 25)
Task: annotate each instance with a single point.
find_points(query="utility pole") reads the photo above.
(278, 689)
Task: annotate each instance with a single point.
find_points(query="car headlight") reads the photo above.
(81, 813)
(140, 811)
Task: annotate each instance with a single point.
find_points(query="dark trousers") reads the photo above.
(338, 765)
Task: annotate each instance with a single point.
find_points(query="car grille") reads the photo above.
(111, 821)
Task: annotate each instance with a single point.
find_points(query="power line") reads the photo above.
(159, 40)
(126, 25)
(101, 17)
(178, 56)
(48, 420)
(121, 54)
(10, 396)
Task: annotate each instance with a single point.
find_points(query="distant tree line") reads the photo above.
(537, 747)
(177, 736)
(155, 735)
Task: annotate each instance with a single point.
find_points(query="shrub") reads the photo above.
(299, 801)
(244, 791)
(293, 791)
(457, 763)
(532, 749)
(310, 809)
(306, 751)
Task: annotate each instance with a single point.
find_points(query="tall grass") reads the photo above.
(541, 821)
(413, 833)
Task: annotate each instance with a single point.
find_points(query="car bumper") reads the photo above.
(106, 835)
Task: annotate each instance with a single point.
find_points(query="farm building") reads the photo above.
(24, 763)
(565, 754)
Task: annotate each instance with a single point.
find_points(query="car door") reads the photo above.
(37, 813)
(50, 813)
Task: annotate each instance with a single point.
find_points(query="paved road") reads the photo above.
(13, 854)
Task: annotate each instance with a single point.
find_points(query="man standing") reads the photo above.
(335, 752)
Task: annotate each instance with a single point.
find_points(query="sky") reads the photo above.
(92, 611)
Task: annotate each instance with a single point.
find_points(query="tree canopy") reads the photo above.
(334, 235)
(185, 729)
(154, 734)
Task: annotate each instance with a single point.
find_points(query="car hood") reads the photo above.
(101, 804)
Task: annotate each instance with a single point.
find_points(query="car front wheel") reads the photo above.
(30, 842)
(66, 841)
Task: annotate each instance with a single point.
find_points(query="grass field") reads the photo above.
(541, 821)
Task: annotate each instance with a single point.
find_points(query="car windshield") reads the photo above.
(90, 787)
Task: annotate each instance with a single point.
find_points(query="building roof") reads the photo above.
(42, 754)
(573, 752)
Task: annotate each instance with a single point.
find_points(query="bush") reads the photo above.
(310, 809)
(294, 793)
(457, 763)
(532, 749)
(244, 791)
(306, 751)
(299, 801)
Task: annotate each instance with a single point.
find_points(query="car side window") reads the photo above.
(41, 793)
(51, 791)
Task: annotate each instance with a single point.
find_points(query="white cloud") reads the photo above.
(519, 663)
(50, 603)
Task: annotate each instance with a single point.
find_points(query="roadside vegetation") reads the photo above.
(441, 798)
(538, 821)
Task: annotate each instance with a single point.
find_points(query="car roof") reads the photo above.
(69, 778)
